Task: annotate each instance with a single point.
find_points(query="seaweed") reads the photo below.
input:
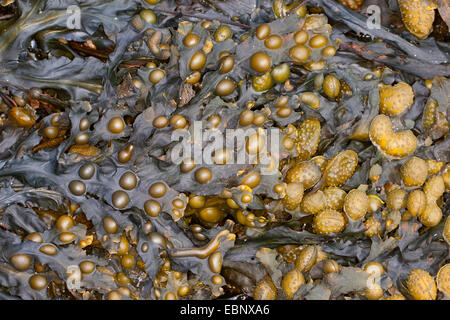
(118, 181)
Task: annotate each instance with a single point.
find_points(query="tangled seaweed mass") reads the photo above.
(352, 203)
